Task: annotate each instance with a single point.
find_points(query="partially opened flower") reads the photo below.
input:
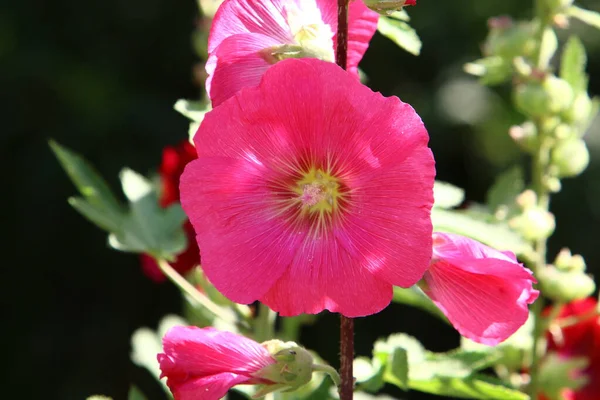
(248, 36)
(174, 160)
(311, 192)
(204, 363)
(579, 340)
(483, 292)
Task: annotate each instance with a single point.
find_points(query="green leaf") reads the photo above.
(96, 214)
(148, 228)
(475, 387)
(501, 196)
(480, 227)
(398, 367)
(447, 195)
(401, 15)
(573, 63)
(592, 18)
(490, 70)
(548, 46)
(413, 296)
(369, 373)
(194, 110)
(135, 394)
(454, 364)
(400, 33)
(89, 183)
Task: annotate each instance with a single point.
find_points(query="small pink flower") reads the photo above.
(483, 292)
(205, 363)
(248, 36)
(311, 192)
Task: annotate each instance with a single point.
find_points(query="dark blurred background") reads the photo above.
(101, 77)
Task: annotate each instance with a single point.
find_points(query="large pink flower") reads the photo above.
(205, 363)
(483, 292)
(311, 192)
(248, 36)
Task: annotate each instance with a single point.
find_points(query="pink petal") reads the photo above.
(324, 276)
(206, 388)
(199, 352)
(239, 61)
(484, 297)
(266, 17)
(245, 245)
(362, 24)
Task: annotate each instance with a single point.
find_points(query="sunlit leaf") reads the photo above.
(573, 63)
(592, 18)
(447, 195)
(400, 33)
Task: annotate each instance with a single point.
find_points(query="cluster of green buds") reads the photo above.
(565, 280)
(533, 222)
(557, 106)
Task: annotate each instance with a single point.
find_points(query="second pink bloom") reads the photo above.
(483, 292)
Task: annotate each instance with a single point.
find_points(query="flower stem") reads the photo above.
(346, 357)
(329, 370)
(200, 298)
(539, 172)
(346, 386)
(264, 325)
(341, 55)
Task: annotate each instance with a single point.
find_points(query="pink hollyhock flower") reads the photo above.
(580, 340)
(248, 36)
(483, 292)
(174, 160)
(311, 192)
(205, 363)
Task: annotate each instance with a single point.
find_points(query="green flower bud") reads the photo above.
(293, 366)
(580, 110)
(537, 99)
(509, 40)
(565, 286)
(570, 157)
(387, 7)
(525, 136)
(563, 131)
(566, 262)
(534, 223)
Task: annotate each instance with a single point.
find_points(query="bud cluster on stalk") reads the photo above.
(565, 280)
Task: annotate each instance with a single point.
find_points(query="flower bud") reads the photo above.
(509, 40)
(388, 6)
(566, 262)
(534, 223)
(570, 157)
(580, 110)
(536, 99)
(293, 365)
(564, 286)
(525, 136)
(563, 131)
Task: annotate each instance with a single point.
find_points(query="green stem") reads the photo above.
(335, 377)
(264, 325)
(200, 298)
(290, 328)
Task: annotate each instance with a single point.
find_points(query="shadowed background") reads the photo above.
(101, 77)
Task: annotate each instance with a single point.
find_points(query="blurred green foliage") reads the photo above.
(101, 77)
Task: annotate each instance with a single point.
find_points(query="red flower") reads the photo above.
(580, 340)
(174, 160)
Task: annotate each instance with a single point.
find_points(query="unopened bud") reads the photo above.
(534, 223)
(537, 99)
(569, 263)
(580, 110)
(564, 286)
(570, 157)
(563, 131)
(293, 366)
(509, 40)
(527, 199)
(388, 6)
(525, 136)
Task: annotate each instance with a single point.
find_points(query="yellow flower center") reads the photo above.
(318, 192)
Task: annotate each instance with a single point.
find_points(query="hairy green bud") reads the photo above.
(570, 158)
